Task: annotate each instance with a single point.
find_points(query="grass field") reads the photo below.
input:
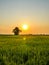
(24, 50)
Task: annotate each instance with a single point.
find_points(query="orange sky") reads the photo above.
(31, 30)
(34, 13)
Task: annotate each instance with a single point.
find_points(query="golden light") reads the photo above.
(25, 27)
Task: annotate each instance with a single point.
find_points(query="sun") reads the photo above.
(25, 27)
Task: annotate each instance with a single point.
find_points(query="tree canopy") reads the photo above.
(16, 31)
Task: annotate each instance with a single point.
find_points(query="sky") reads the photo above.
(34, 13)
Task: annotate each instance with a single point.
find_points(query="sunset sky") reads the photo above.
(34, 13)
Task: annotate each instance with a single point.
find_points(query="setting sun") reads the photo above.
(25, 27)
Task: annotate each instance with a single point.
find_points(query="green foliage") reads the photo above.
(24, 50)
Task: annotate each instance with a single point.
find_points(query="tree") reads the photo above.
(16, 31)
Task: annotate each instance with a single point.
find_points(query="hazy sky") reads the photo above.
(34, 13)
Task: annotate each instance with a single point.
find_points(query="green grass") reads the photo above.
(24, 50)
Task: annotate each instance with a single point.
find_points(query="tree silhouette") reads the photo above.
(16, 31)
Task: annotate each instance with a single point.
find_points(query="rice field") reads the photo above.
(24, 50)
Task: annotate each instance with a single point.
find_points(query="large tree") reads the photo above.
(16, 31)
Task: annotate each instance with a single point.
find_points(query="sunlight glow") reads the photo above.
(25, 27)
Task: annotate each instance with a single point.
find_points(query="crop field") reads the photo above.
(24, 50)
